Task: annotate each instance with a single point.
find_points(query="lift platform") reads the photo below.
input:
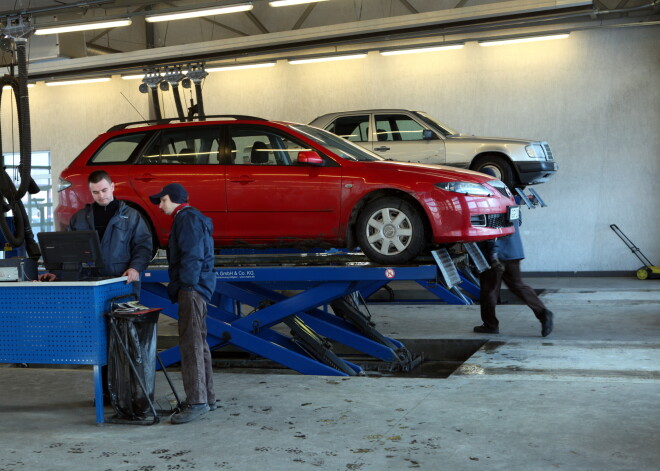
(298, 297)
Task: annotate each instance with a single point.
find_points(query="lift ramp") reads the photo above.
(313, 327)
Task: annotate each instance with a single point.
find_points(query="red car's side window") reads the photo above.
(118, 150)
(187, 146)
(260, 146)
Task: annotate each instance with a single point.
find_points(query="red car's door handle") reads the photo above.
(242, 179)
(381, 148)
(147, 177)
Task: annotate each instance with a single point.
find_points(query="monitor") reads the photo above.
(76, 255)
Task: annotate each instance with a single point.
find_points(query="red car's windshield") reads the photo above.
(341, 147)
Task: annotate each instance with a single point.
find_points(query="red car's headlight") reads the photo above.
(63, 184)
(465, 188)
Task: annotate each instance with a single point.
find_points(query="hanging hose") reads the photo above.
(177, 102)
(200, 100)
(22, 229)
(156, 102)
(25, 136)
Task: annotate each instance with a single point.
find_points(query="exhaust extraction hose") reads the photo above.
(22, 229)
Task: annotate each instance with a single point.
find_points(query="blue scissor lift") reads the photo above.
(305, 312)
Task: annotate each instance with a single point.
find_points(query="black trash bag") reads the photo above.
(138, 332)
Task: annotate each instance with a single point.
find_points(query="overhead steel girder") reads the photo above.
(306, 37)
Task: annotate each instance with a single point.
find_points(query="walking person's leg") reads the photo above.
(490, 282)
(513, 279)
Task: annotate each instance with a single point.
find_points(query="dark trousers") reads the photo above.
(491, 282)
(196, 368)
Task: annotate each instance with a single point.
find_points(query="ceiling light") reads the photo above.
(76, 82)
(286, 3)
(83, 26)
(182, 15)
(136, 76)
(243, 66)
(328, 58)
(497, 42)
(396, 52)
(132, 77)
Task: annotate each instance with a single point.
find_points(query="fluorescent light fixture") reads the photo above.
(397, 52)
(135, 77)
(498, 42)
(238, 66)
(76, 82)
(182, 15)
(286, 3)
(328, 58)
(83, 26)
(132, 77)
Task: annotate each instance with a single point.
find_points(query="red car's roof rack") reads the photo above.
(118, 127)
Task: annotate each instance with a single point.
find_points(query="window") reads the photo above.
(352, 128)
(185, 146)
(398, 127)
(262, 146)
(39, 207)
(118, 150)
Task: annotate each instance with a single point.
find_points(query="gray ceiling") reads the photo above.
(339, 25)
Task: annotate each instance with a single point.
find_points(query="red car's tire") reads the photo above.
(390, 231)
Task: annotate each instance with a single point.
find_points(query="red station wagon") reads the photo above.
(276, 184)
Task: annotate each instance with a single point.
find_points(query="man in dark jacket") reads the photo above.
(192, 282)
(504, 256)
(126, 242)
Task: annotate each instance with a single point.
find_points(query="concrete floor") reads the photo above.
(585, 398)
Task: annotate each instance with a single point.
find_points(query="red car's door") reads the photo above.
(189, 156)
(271, 198)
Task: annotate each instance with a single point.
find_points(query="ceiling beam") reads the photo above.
(256, 22)
(407, 4)
(304, 16)
(413, 25)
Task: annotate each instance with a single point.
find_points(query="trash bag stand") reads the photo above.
(113, 320)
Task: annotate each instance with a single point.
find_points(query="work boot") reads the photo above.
(189, 413)
(484, 329)
(213, 405)
(547, 323)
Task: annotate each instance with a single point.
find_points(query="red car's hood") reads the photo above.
(442, 172)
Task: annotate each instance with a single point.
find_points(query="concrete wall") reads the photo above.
(594, 97)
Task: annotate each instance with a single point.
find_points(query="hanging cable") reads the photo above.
(10, 196)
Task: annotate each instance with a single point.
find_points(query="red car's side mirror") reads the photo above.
(309, 157)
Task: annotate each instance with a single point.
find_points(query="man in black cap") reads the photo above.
(192, 282)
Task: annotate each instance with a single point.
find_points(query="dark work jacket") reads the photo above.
(190, 254)
(510, 247)
(126, 243)
(505, 248)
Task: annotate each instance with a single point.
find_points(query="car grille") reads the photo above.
(548, 152)
(495, 221)
(501, 187)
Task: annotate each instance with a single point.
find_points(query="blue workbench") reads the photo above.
(58, 323)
